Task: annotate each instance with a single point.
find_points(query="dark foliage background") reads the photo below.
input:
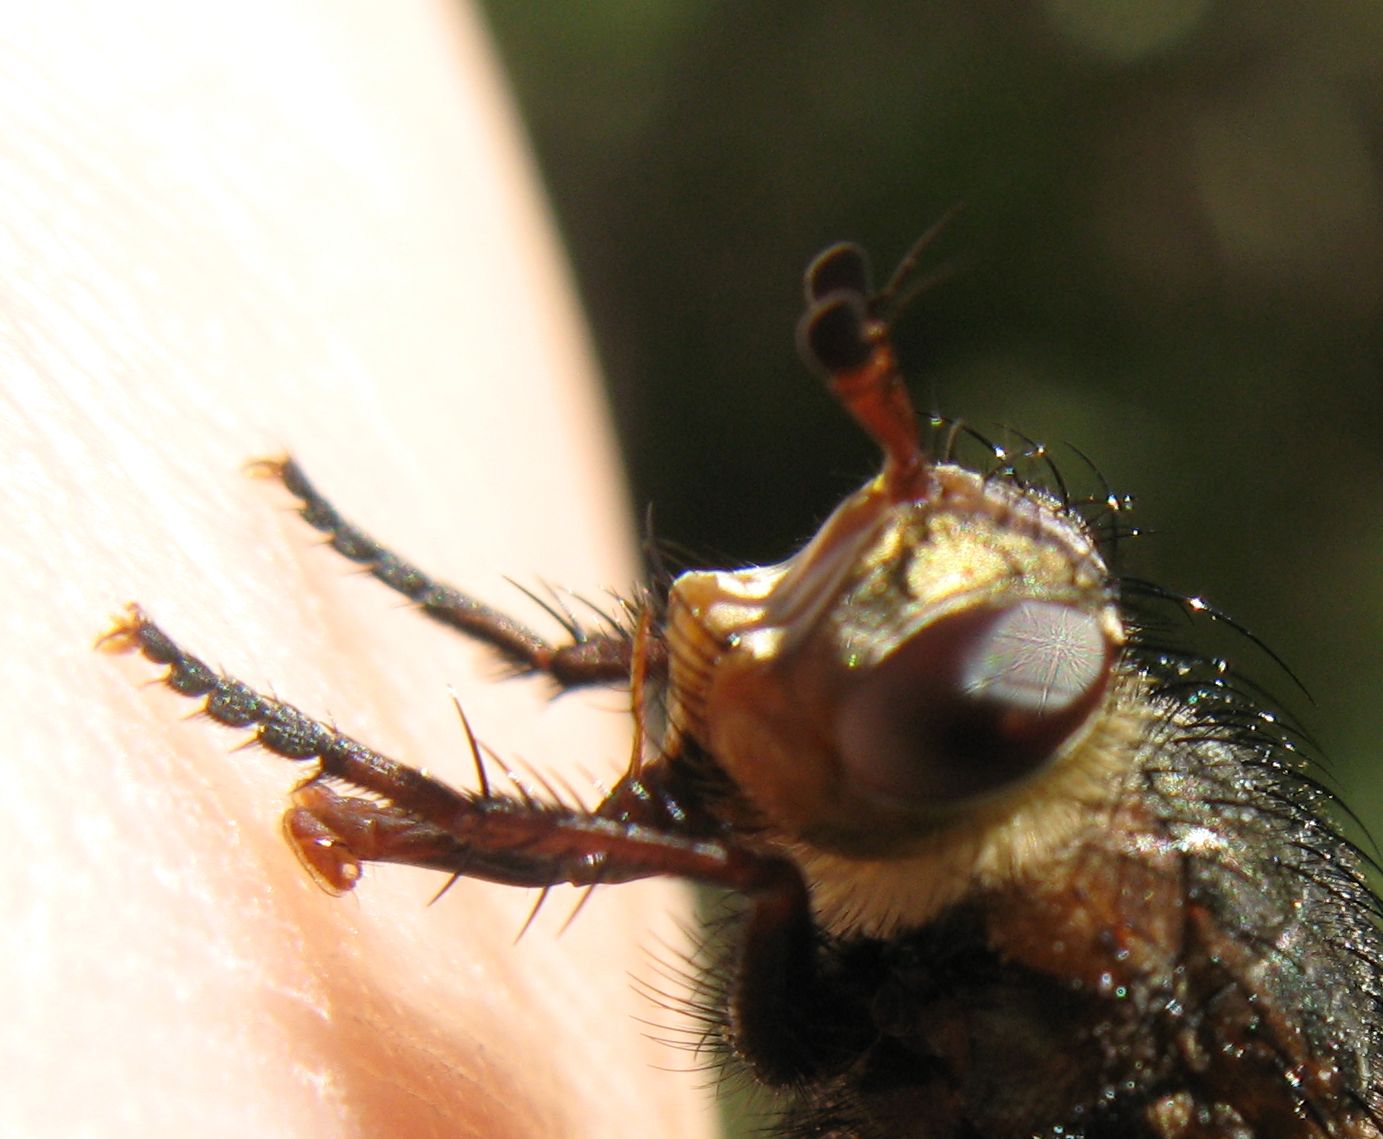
(1170, 256)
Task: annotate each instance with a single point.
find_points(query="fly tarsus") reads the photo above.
(558, 844)
(779, 1002)
(279, 727)
(334, 835)
(410, 818)
(588, 658)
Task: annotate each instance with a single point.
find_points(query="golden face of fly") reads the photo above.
(917, 658)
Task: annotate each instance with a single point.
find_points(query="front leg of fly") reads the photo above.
(586, 659)
(409, 818)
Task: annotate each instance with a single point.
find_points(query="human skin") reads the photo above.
(233, 231)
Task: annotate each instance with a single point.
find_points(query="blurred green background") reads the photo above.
(1170, 256)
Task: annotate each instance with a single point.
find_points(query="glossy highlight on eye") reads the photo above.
(1038, 656)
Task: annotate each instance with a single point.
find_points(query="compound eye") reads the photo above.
(973, 703)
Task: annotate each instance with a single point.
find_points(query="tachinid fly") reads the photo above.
(1010, 868)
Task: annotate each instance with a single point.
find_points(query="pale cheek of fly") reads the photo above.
(1038, 656)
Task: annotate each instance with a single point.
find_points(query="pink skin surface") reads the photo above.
(233, 231)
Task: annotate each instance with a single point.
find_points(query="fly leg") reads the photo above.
(587, 658)
(414, 819)
(778, 1001)
(778, 998)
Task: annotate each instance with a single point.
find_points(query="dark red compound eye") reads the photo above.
(973, 703)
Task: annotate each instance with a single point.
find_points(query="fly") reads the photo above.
(1010, 867)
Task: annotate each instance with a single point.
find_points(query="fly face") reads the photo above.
(922, 656)
(1010, 869)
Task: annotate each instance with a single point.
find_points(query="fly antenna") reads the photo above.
(842, 335)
